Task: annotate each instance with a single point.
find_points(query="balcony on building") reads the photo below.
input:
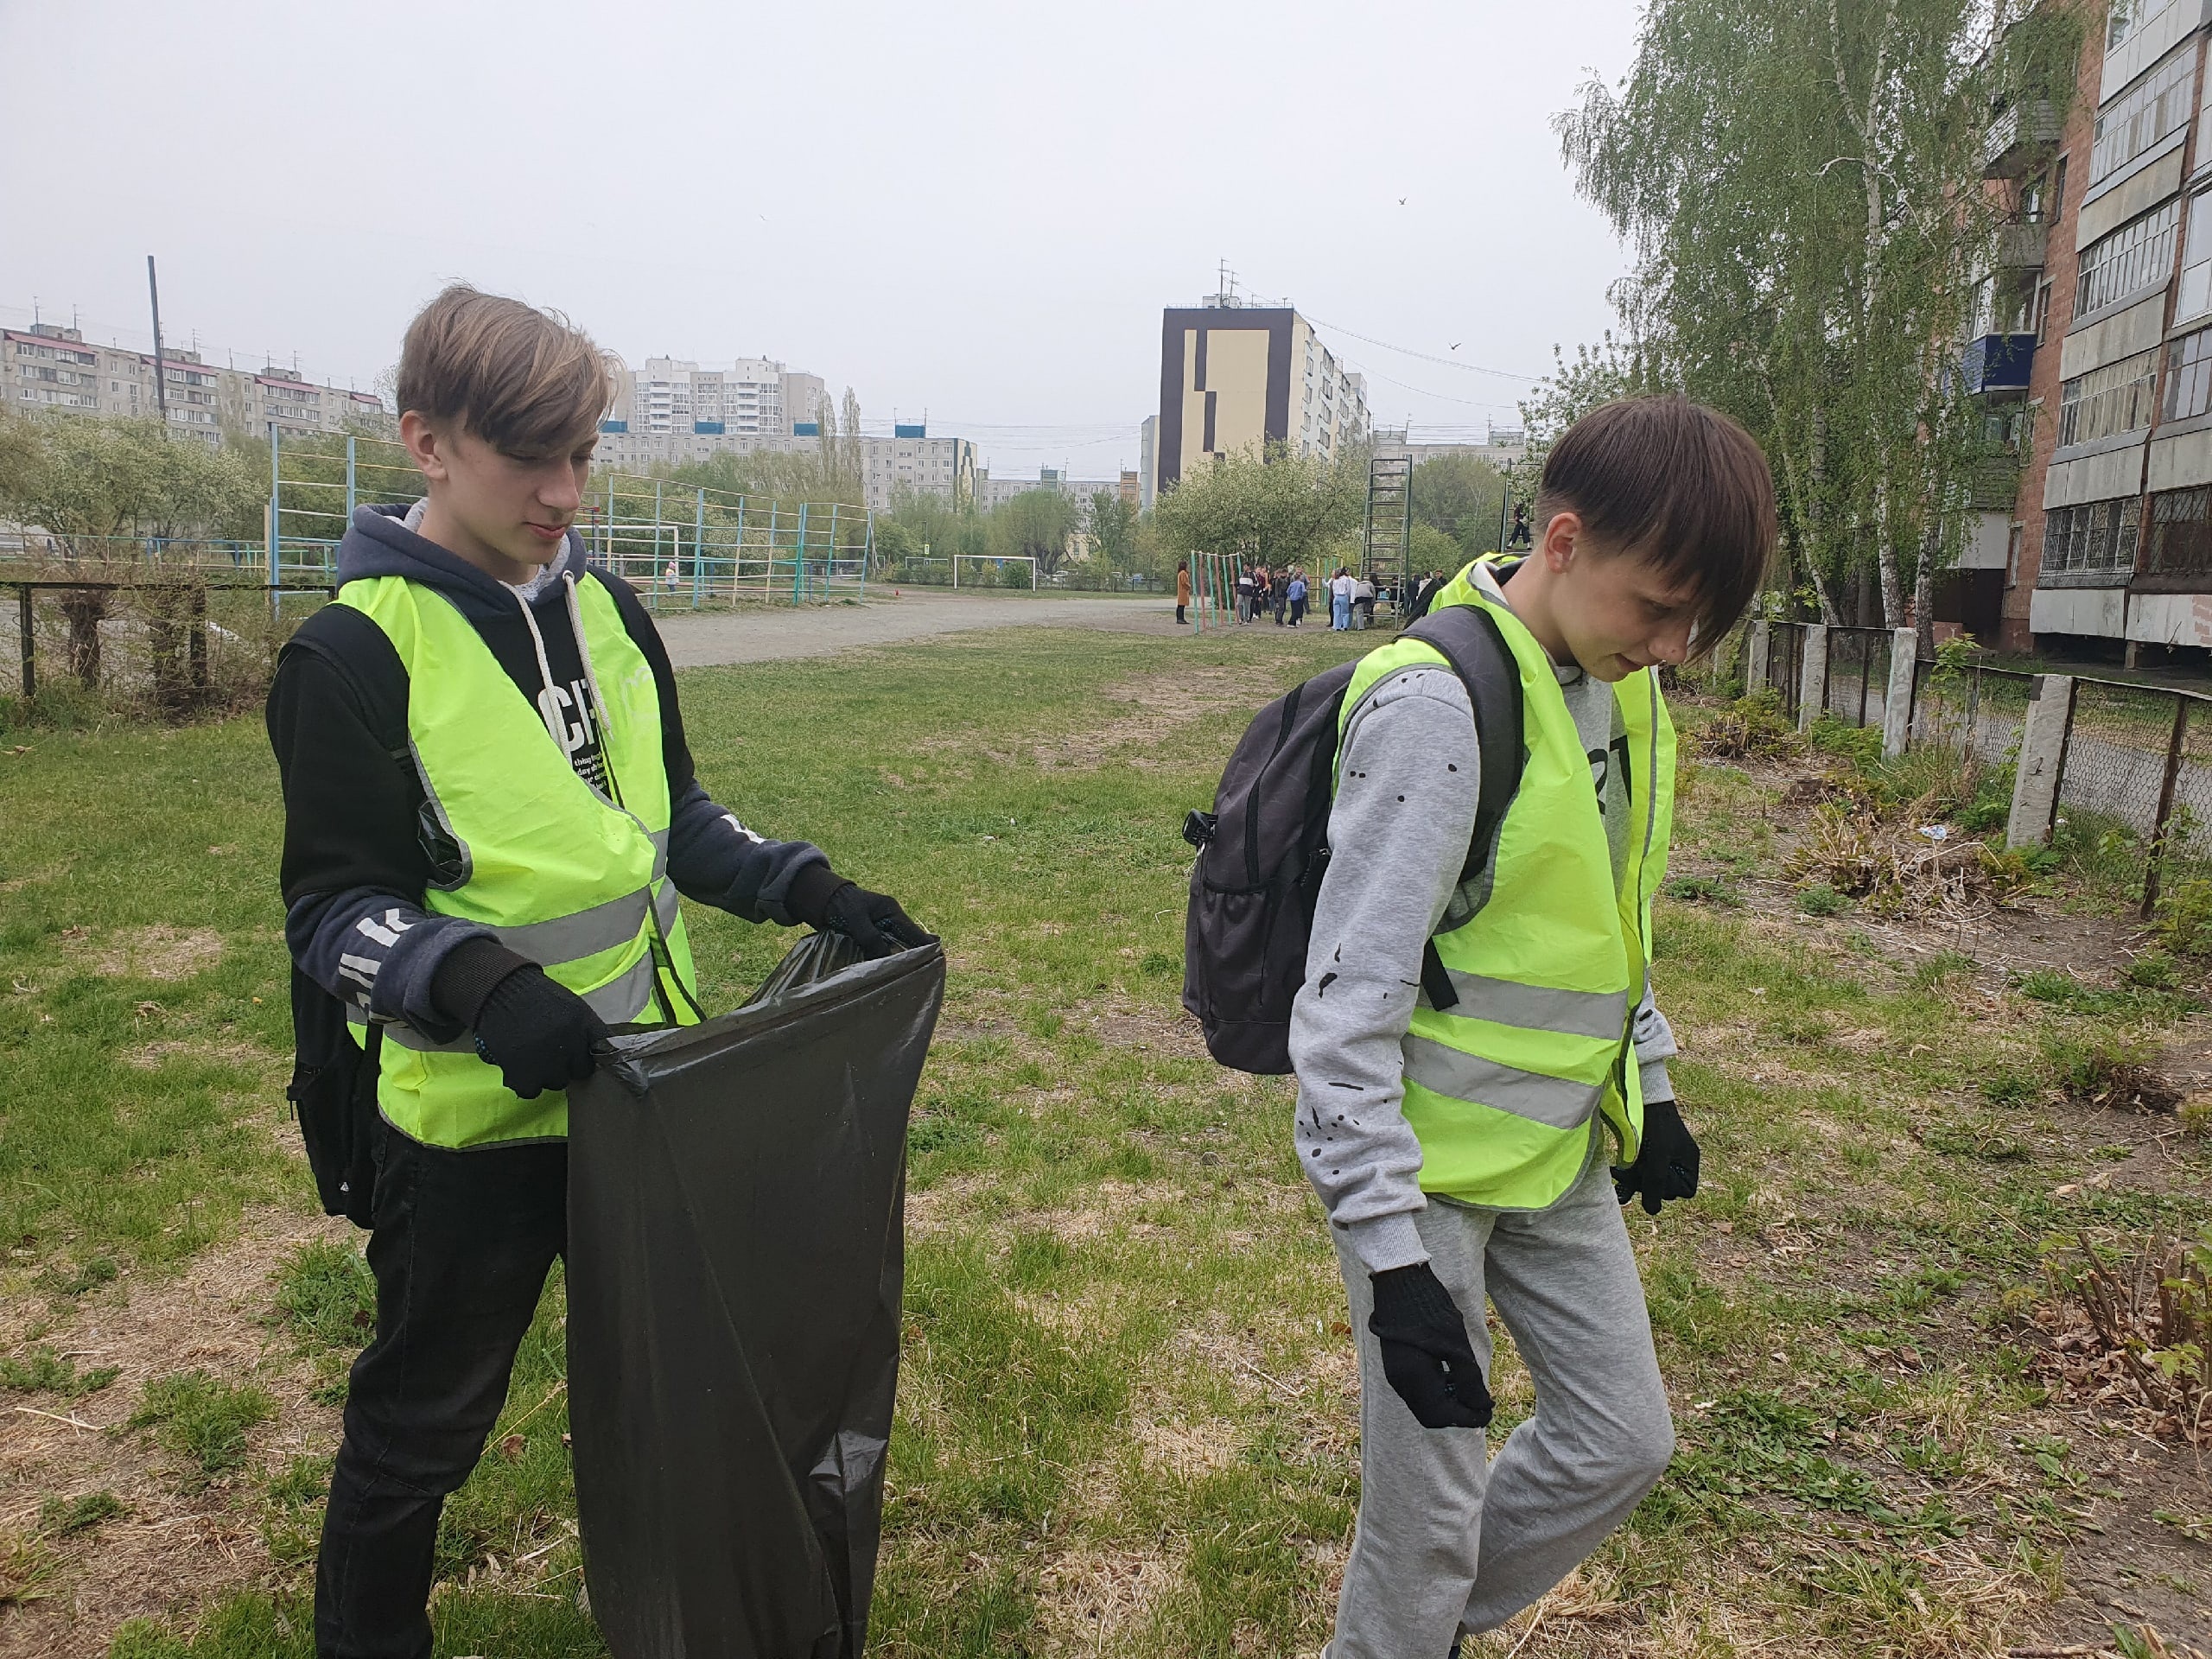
(1998, 364)
(2021, 138)
(2020, 246)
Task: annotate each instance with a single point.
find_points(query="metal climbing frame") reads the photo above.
(1387, 544)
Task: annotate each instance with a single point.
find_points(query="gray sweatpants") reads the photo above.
(1449, 1539)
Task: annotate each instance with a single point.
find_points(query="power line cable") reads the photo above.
(1425, 357)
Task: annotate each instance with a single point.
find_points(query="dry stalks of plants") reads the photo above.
(1884, 861)
(2133, 1329)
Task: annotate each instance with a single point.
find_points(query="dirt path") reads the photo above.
(700, 639)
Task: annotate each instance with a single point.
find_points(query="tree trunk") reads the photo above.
(85, 608)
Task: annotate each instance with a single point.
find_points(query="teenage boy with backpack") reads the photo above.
(1475, 1038)
(490, 811)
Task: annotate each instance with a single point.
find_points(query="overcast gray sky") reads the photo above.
(974, 209)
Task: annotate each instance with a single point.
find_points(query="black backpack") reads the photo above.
(334, 1087)
(1264, 846)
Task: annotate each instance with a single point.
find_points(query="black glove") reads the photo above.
(539, 1034)
(1425, 1353)
(872, 921)
(1666, 1164)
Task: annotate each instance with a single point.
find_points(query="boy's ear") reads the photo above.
(1562, 534)
(426, 445)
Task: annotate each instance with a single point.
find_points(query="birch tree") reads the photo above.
(1800, 186)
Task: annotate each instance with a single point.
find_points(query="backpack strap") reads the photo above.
(1467, 637)
(360, 653)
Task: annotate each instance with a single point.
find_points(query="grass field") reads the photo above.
(1126, 1415)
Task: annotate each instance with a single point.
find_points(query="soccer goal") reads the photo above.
(1000, 560)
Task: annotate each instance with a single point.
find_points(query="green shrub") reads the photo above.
(2184, 918)
(1860, 745)
(2154, 970)
(1822, 900)
(198, 1417)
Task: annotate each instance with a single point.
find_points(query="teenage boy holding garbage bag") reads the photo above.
(1472, 1042)
(490, 811)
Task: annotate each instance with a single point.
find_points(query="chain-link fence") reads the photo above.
(2134, 794)
(1785, 666)
(1979, 712)
(1857, 677)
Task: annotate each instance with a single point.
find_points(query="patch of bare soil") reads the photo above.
(157, 953)
(1135, 723)
(172, 1550)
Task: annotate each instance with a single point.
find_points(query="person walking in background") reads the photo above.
(1340, 587)
(1282, 591)
(1519, 535)
(1263, 584)
(1363, 602)
(1296, 592)
(1182, 591)
(1243, 595)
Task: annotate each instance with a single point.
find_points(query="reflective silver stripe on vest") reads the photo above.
(585, 933)
(665, 904)
(659, 839)
(1541, 1007)
(1559, 1103)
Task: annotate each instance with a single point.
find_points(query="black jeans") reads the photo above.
(461, 1245)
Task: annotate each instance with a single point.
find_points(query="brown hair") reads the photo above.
(1681, 486)
(528, 382)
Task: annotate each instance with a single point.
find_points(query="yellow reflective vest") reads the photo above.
(575, 880)
(1545, 948)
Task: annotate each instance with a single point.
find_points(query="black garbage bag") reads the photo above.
(736, 1209)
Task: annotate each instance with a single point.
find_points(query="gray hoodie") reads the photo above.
(1409, 770)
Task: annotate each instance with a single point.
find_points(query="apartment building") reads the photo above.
(2092, 355)
(47, 366)
(1501, 446)
(910, 462)
(1235, 377)
(993, 492)
(752, 395)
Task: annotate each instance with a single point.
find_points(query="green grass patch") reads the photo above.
(1123, 1354)
(203, 1420)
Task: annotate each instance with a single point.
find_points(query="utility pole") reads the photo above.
(160, 374)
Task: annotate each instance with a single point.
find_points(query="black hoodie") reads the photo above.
(357, 860)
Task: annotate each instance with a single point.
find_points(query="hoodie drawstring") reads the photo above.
(549, 700)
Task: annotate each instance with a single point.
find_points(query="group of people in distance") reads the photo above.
(1285, 592)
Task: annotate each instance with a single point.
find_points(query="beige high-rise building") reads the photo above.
(1236, 378)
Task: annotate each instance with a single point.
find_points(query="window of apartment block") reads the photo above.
(2097, 538)
(2189, 376)
(2156, 105)
(2138, 255)
(2043, 312)
(2194, 297)
(2127, 17)
(2108, 401)
(2181, 534)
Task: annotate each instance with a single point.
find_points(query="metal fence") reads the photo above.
(2121, 774)
(681, 547)
(172, 644)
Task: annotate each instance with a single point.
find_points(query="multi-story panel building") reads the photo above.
(909, 463)
(751, 397)
(1234, 378)
(2095, 341)
(50, 367)
(994, 491)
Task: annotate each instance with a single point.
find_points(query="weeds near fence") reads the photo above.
(2132, 1327)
